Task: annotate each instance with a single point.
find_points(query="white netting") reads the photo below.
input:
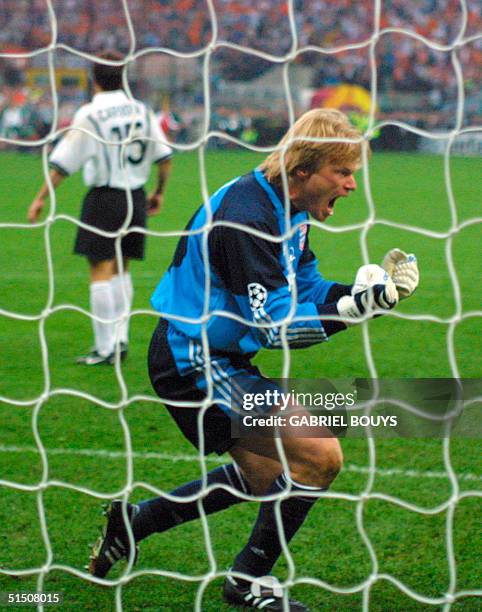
(449, 506)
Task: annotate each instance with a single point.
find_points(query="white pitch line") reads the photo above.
(350, 467)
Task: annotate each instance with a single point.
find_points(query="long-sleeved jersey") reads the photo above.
(244, 280)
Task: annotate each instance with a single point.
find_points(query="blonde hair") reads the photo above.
(309, 155)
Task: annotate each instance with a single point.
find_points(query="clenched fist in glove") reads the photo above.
(403, 269)
(373, 290)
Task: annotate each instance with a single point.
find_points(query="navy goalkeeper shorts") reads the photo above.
(232, 375)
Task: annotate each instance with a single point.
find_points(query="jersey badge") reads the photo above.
(303, 232)
(257, 296)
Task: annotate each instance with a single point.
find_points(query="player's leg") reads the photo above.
(123, 292)
(103, 313)
(102, 209)
(160, 514)
(132, 247)
(226, 485)
(100, 271)
(260, 472)
(313, 464)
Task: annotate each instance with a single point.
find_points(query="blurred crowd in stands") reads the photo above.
(404, 62)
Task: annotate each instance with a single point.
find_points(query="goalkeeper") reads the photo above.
(253, 277)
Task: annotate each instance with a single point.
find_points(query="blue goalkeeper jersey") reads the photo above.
(242, 281)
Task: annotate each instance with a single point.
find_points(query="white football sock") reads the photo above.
(123, 291)
(102, 306)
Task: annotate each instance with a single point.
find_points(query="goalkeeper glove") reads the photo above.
(379, 296)
(403, 269)
(367, 276)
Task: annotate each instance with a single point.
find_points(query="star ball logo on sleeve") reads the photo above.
(257, 296)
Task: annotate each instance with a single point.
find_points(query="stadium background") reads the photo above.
(416, 82)
(82, 417)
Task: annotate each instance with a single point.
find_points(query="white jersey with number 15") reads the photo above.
(112, 117)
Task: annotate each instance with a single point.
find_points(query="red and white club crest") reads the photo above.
(303, 232)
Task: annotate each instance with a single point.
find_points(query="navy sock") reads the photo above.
(160, 514)
(264, 547)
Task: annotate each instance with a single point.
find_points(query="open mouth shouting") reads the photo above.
(331, 205)
(326, 209)
(318, 192)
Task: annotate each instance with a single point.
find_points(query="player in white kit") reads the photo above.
(115, 174)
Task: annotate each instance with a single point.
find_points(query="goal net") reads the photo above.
(228, 78)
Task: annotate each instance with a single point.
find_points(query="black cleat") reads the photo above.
(113, 544)
(94, 358)
(265, 594)
(123, 350)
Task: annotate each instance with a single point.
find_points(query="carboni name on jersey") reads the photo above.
(126, 110)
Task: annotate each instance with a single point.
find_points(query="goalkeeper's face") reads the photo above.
(317, 192)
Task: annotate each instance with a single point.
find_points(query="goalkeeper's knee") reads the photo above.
(317, 462)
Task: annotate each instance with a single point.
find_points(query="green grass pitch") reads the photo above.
(85, 440)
